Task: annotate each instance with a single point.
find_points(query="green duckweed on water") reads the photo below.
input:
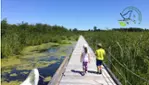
(24, 72)
(25, 67)
(11, 83)
(8, 62)
(37, 65)
(29, 52)
(23, 62)
(14, 74)
(47, 79)
(37, 48)
(52, 62)
(6, 70)
(45, 63)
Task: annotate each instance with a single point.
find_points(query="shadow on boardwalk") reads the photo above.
(79, 72)
(94, 72)
(82, 73)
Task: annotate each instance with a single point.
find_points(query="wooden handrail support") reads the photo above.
(112, 75)
(59, 73)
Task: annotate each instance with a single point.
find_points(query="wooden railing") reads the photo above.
(59, 73)
(112, 75)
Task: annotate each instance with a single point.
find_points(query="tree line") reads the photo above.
(17, 36)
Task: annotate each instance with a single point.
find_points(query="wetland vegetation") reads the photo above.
(27, 46)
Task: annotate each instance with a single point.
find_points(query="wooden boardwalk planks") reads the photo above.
(74, 67)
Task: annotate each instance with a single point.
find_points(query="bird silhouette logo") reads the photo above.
(130, 15)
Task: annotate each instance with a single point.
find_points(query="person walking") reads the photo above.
(85, 58)
(100, 54)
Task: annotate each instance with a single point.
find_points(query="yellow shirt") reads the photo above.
(100, 53)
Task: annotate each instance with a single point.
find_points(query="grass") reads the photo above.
(129, 48)
(65, 42)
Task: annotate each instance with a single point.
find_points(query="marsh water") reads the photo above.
(46, 65)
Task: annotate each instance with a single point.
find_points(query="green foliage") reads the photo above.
(16, 37)
(129, 48)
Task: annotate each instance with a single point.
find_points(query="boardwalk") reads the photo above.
(74, 67)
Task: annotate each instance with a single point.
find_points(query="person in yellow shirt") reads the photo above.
(100, 54)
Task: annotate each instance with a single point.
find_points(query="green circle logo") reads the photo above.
(130, 15)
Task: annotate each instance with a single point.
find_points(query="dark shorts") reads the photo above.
(85, 64)
(98, 62)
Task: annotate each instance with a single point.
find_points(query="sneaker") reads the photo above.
(100, 71)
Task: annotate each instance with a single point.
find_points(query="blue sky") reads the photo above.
(81, 14)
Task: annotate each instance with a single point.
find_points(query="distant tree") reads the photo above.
(75, 29)
(131, 29)
(95, 28)
(98, 29)
(4, 26)
(23, 25)
(17, 36)
(70, 30)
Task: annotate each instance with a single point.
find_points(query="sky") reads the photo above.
(80, 14)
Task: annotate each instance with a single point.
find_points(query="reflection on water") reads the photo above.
(45, 71)
(53, 49)
(52, 63)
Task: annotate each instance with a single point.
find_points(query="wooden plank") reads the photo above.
(74, 68)
(59, 73)
(112, 75)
